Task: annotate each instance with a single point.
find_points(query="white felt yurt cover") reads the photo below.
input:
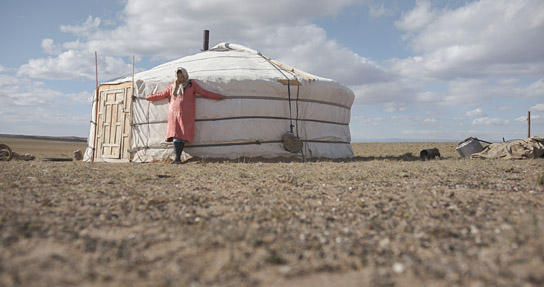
(254, 115)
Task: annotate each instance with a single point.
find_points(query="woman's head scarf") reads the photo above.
(178, 89)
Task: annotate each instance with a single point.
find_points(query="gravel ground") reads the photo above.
(382, 219)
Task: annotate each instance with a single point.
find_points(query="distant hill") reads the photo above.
(47, 138)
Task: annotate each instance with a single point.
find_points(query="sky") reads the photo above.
(432, 70)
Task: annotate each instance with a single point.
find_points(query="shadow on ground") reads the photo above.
(404, 157)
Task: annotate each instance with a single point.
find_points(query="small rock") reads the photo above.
(384, 242)
(398, 267)
(78, 155)
(285, 269)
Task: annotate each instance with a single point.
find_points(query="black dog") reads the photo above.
(429, 154)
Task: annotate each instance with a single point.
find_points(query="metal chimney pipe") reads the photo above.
(206, 40)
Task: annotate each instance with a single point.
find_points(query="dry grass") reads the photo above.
(382, 219)
(43, 148)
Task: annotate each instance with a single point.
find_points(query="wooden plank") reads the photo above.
(114, 103)
(107, 87)
(287, 68)
(113, 138)
(107, 124)
(110, 160)
(118, 134)
(127, 133)
(293, 82)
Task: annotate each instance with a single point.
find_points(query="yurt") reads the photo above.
(269, 110)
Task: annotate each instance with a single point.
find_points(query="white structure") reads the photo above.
(262, 100)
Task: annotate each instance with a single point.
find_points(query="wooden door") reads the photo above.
(113, 119)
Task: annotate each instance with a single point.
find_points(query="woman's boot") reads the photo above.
(178, 148)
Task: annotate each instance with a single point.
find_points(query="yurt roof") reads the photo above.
(224, 62)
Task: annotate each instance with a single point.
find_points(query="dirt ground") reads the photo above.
(384, 218)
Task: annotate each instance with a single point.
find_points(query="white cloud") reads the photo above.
(366, 121)
(427, 97)
(73, 65)
(6, 81)
(430, 120)
(407, 118)
(533, 118)
(535, 89)
(376, 11)
(418, 18)
(481, 39)
(489, 121)
(49, 47)
(474, 113)
(328, 60)
(30, 107)
(84, 97)
(23, 92)
(37, 120)
(145, 30)
(505, 108)
(85, 29)
(538, 108)
(393, 108)
(470, 92)
(2, 69)
(395, 90)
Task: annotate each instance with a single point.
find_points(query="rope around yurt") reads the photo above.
(291, 142)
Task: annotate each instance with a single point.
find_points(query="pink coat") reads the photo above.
(181, 115)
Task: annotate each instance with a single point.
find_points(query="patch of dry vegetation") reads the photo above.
(382, 219)
(43, 148)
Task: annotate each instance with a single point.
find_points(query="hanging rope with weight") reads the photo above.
(291, 143)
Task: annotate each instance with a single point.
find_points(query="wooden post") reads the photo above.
(96, 106)
(133, 77)
(206, 43)
(529, 124)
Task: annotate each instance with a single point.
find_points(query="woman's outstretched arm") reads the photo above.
(204, 93)
(160, 95)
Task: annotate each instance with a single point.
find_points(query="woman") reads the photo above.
(181, 115)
